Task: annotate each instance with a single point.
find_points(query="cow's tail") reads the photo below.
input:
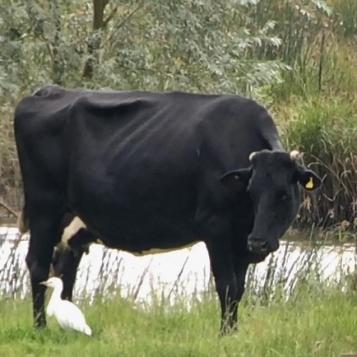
(23, 221)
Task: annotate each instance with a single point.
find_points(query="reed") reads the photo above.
(326, 131)
(346, 13)
(278, 279)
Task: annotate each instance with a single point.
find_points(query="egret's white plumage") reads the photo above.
(68, 315)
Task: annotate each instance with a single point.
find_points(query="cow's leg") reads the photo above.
(223, 270)
(67, 257)
(240, 272)
(230, 314)
(65, 264)
(45, 233)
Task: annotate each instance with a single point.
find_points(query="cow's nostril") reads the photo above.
(264, 245)
(257, 245)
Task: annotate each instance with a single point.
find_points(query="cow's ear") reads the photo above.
(307, 179)
(236, 179)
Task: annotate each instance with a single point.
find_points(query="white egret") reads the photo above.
(67, 314)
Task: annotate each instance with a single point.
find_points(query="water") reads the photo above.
(177, 274)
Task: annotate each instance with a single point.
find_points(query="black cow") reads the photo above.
(155, 170)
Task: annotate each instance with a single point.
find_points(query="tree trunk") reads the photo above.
(94, 42)
(57, 63)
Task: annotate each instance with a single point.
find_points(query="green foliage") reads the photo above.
(304, 28)
(346, 12)
(36, 54)
(10, 185)
(197, 46)
(191, 45)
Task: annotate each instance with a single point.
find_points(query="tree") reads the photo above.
(94, 42)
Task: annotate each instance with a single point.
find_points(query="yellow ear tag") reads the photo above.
(310, 184)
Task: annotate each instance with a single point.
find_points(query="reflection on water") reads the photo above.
(176, 274)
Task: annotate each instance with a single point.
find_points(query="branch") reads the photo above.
(131, 14)
(110, 16)
(9, 209)
(127, 18)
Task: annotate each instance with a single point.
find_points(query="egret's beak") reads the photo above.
(43, 283)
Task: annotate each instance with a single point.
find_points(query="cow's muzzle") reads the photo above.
(261, 246)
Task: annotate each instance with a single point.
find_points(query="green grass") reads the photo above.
(312, 324)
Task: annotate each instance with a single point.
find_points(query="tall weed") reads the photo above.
(326, 131)
(304, 28)
(346, 13)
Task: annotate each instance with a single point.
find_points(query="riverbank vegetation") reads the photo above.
(301, 304)
(298, 57)
(317, 322)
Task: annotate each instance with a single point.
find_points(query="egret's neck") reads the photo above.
(56, 294)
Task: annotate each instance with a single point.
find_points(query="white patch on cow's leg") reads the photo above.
(71, 230)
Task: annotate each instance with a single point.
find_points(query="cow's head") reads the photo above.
(272, 183)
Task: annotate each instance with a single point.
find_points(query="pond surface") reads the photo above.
(177, 274)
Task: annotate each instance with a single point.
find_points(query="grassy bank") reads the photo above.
(312, 324)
